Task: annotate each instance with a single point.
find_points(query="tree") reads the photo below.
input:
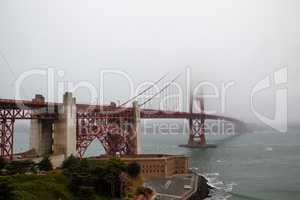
(147, 193)
(45, 164)
(82, 185)
(70, 161)
(6, 191)
(70, 165)
(19, 167)
(2, 163)
(86, 193)
(107, 177)
(141, 191)
(84, 166)
(133, 169)
(114, 168)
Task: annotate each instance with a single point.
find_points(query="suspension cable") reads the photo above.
(145, 90)
(160, 91)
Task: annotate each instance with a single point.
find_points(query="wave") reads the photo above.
(220, 190)
(244, 197)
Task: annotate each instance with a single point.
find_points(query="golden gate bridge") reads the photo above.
(69, 128)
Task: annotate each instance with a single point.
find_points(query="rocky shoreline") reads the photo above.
(202, 190)
(191, 186)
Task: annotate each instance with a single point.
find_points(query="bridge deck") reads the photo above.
(102, 111)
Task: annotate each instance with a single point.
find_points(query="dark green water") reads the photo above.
(261, 165)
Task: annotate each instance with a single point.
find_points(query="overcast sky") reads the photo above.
(220, 40)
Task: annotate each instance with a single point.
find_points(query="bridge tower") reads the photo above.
(196, 125)
(40, 131)
(135, 130)
(64, 133)
(57, 136)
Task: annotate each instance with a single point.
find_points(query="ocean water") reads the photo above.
(260, 165)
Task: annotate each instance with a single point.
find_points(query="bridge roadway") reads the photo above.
(25, 109)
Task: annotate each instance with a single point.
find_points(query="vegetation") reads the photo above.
(2, 164)
(133, 169)
(144, 192)
(35, 187)
(77, 179)
(6, 191)
(70, 165)
(19, 167)
(24, 166)
(88, 178)
(45, 164)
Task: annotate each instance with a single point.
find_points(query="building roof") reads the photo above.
(142, 156)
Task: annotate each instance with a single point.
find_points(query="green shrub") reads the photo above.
(34, 187)
(133, 169)
(6, 191)
(19, 167)
(141, 191)
(71, 165)
(45, 164)
(86, 193)
(2, 163)
(80, 180)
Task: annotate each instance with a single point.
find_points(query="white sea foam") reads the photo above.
(212, 174)
(221, 189)
(269, 149)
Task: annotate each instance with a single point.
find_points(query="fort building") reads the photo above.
(155, 165)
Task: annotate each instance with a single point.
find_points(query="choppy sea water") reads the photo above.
(260, 165)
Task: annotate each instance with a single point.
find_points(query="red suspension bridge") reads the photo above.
(69, 128)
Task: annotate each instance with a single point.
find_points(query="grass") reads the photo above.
(53, 186)
(82, 185)
(34, 187)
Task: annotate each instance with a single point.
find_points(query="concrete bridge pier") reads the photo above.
(55, 137)
(136, 128)
(41, 133)
(64, 133)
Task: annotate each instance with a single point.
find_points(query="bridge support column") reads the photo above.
(197, 132)
(41, 132)
(7, 138)
(190, 131)
(196, 126)
(135, 131)
(65, 127)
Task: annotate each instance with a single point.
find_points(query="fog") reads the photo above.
(219, 41)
